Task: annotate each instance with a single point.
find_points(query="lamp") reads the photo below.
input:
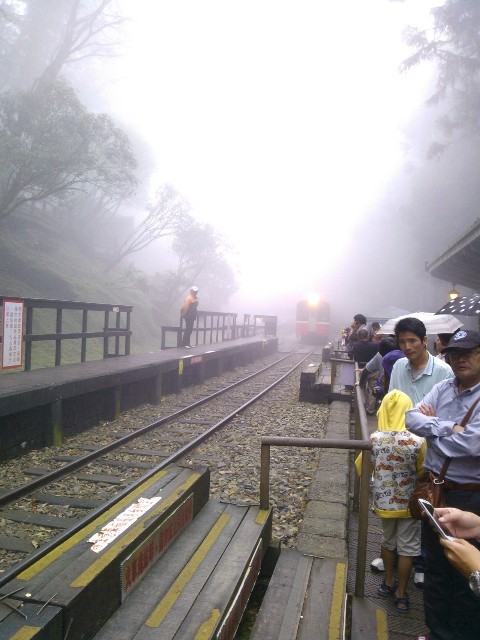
(453, 294)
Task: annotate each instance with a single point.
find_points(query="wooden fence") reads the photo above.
(89, 313)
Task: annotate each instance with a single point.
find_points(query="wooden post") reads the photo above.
(28, 333)
(265, 476)
(58, 342)
(83, 353)
(157, 389)
(116, 402)
(56, 431)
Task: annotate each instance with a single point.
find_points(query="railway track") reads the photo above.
(77, 482)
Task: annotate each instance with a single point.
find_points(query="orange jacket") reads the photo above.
(190, 301)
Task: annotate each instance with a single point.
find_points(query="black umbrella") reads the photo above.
(463, 306)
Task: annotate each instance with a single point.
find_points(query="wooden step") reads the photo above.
(305, 599)
(314, 383)
(88, 574)
(30, 621)
(200, 588)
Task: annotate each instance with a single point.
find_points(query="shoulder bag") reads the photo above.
(429, 487)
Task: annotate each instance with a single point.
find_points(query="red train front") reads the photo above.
(313, 320)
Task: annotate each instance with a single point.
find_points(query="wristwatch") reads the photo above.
(474, 582)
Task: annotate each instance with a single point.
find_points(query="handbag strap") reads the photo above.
(469, 413)
(466, 418)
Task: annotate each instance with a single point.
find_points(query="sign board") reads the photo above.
(12, 332)
(136, 565)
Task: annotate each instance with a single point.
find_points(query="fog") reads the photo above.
(290, 129)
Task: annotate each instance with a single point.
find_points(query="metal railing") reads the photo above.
(215, 326)
(361, 487)
(33, 333)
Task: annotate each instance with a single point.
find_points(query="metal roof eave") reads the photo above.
(460, 264)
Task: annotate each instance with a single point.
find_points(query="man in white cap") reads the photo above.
(189, 314)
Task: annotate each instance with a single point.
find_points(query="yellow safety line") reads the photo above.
(56, 553)
(167, 602)
(262, 516)
(382, 626)
(25, 633)
(129, 536)
(337, 603)
(206, 629)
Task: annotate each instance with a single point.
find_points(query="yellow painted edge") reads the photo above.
(161, 610)
(25, 633)
(334, 625)
(208, 627)
(129, 536)
(382, 626)
(56, 553)
(262, 516)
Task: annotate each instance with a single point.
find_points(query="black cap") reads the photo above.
(463, 339)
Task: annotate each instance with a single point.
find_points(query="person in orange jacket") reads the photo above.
(189, 314)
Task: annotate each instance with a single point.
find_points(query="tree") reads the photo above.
(50, 145)
(454, 45)
(41, 37)
(84, 35)
(201, 261)
(166, 216)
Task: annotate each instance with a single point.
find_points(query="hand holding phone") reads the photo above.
(441, 529)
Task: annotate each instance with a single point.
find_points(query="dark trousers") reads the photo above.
(452, 610)
(189, 322)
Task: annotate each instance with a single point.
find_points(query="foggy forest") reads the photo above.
(86, 212)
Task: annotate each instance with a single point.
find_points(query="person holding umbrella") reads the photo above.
(440, 343)
(419, 371)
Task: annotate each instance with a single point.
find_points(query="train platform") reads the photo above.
(310, 585)
(38, 408)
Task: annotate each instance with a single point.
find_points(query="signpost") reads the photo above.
(12, 332)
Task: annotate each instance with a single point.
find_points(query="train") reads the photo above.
(312, 320)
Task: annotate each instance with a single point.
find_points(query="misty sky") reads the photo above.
(280, 122)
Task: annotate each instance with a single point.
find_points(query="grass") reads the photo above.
(36, 262)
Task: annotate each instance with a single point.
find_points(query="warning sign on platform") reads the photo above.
(12, 333)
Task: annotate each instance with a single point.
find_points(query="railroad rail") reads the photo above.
(150, 454)
(33, 591)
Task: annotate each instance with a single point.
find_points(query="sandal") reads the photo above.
(385, 591)
(402, 605)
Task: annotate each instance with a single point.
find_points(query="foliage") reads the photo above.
(454, 45)
(33, 264)
(67, 175)
(50, 145)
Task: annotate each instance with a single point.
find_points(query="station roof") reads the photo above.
(460, 264)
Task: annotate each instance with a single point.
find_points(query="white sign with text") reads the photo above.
(12, 332)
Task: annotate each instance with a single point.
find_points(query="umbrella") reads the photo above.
(463, 306)
(433, 322)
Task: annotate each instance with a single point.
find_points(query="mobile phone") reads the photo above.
(430, 511)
